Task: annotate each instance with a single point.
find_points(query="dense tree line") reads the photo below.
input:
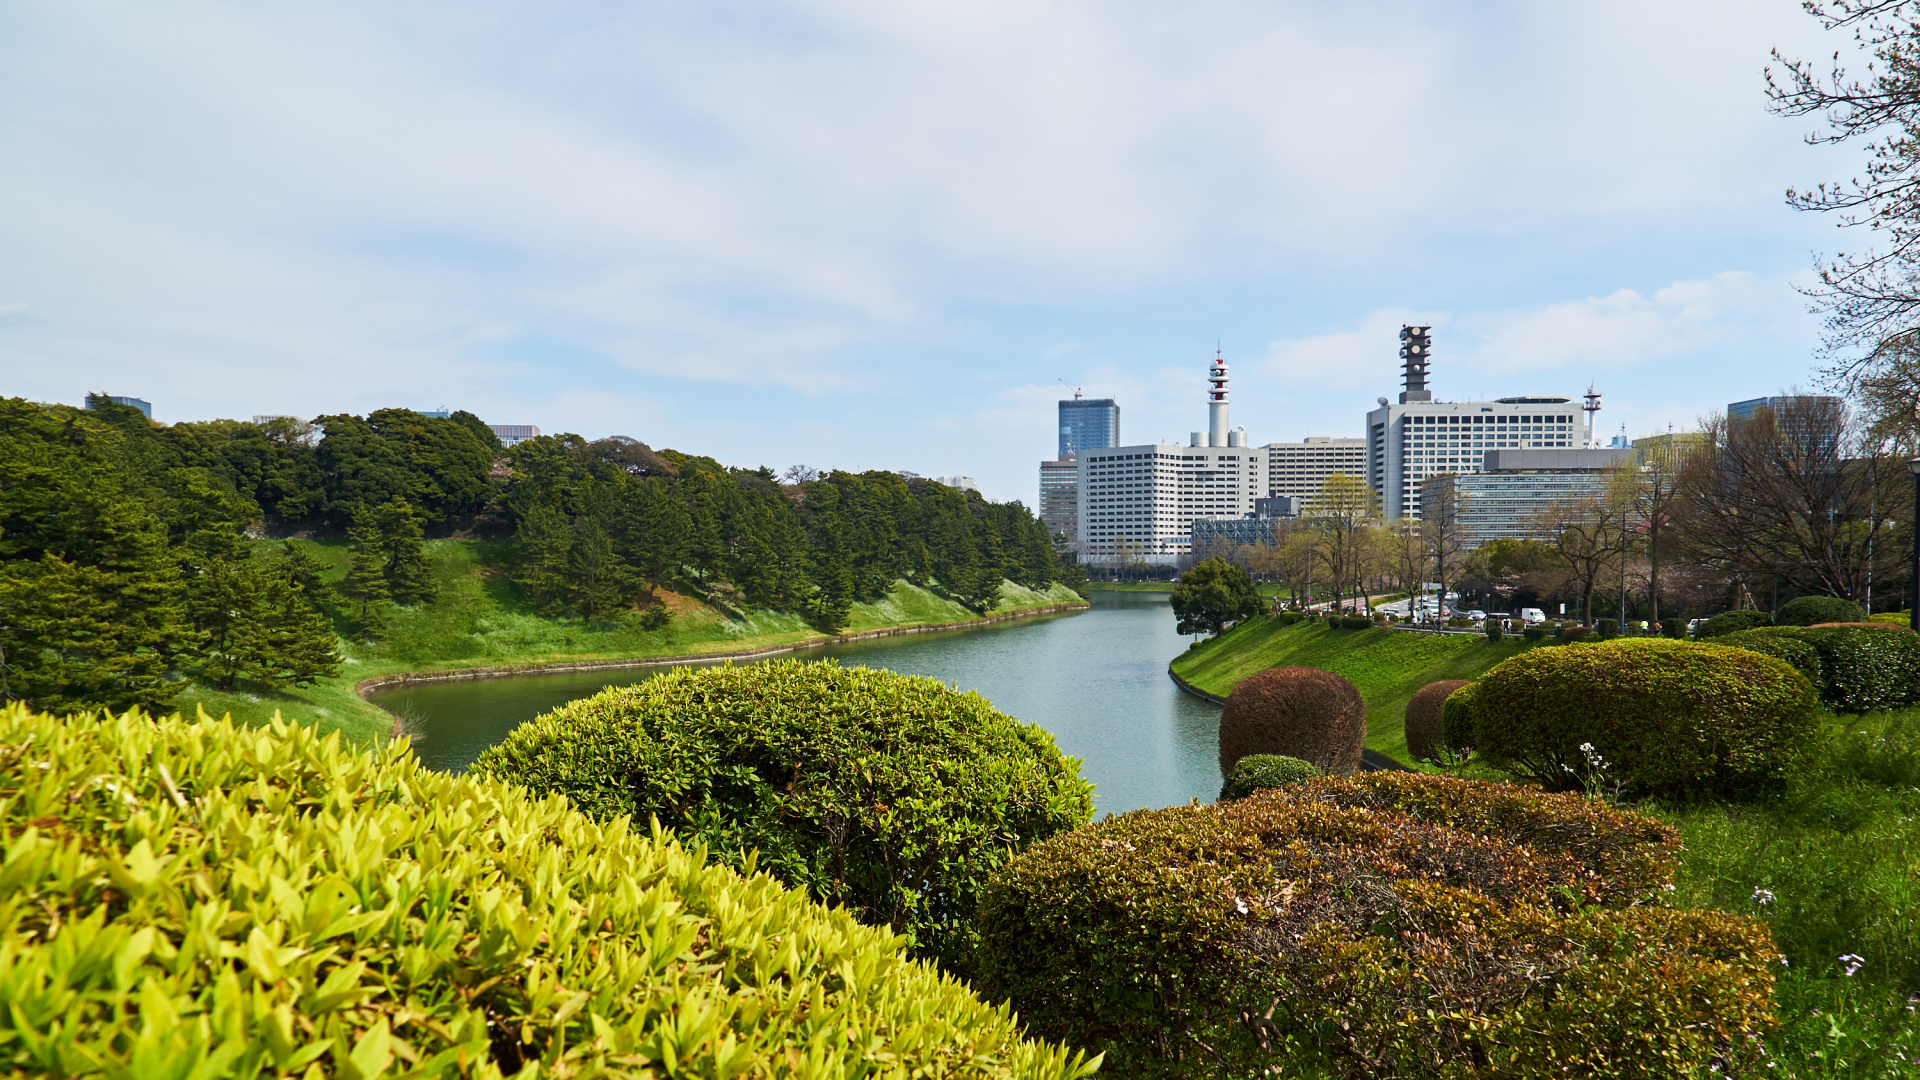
(126, 568)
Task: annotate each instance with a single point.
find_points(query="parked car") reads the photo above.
(1477, 615)
(1532, 616)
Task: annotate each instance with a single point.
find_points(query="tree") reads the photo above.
(298, 566)
(366, 581)
(1344, 509)
(1440, 506)
(1213, 595)
(1586, 535)
(1651, 492)
(540, 565)
(285, 642)
(403, 552)
(65, 645)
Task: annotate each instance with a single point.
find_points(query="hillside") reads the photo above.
(1387, 668)
(481, 619)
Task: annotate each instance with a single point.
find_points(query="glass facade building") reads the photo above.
(1506, 499)
(1088, 425)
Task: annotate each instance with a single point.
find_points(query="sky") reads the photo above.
(887, 235)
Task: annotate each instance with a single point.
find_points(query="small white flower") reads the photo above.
(1854, 963)
(1762, 896)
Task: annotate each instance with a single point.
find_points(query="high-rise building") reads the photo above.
(1060, 496)
(1088, 424)
(964, 483)
(1745, 410)
(510, 434)
(1506, 496)
(1140, 502)
(1298, 469)
(1419, 437)
(145, 407)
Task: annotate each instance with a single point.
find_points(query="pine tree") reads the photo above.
(545, 537)
(286, 642)
(223, 598)
(597, 578)
(409, 575)
(366, 582)
(298, 566)
(64, 645)
(832, 606)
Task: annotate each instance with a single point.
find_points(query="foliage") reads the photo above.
(1534, 632)
(192, 899)
(1573, 632)
(1322, 922)
(1493, 631)
(1426, 728)
(1212, 595)
(1646, 714)
(1299, 712)
(1456, 722)
(1853, 668)
(1728, 622)
(1807, 610)
(1355, 622)
(1257, 772)
(1606, 629)
(890, 794)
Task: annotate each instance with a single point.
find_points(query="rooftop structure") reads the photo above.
(509, 434)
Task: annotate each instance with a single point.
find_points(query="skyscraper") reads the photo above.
(1088, 425)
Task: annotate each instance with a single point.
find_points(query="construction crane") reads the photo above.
(1070, 386)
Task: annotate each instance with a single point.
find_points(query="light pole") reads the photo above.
(1913, 567)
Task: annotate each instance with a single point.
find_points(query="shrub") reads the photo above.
(1673, 628)
(1668, 717)
(1288, 618)
(1456, 722)
(195, 899)
(1606, 629)
(1390, 924)
(1459, 620)
(1297, 712)
(1853, 668)
(1728, 622)
(1426, 728)
(1257, 772)
(1573, 632)
(1355, 622)
(891, 794)
(1808, 610)
(1333, 620)
(1534, 632)
(1494, 633)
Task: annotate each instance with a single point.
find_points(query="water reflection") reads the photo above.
(1096, 680)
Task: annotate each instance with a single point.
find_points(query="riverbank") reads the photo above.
(480, 625)
(1387, 667)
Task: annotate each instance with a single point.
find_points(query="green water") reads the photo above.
(1096, 680)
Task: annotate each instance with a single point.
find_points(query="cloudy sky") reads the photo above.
(881, 235)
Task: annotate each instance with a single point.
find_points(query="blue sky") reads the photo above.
(878, 235)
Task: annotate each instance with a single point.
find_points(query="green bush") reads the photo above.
(1728, 622)
(1355, 622)
(1288, 618)
(1389, 924)
(1666, 717)
(1573, 632)
(1853, 668)
(1493, 630)
(1808, 610)
(1459, 620)
(191, 899)
(1534, 632)
(894, 795)
(1298, 712)
(1426, 724)
(1606, 629)
(1456, 722)
(1673, 628)
(1257, 772)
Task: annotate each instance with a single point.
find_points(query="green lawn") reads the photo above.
(481, 619)
(1386, 667)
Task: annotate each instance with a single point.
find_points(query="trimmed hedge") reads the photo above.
(191, 899)
(1667, 717)
(1728, 622)
(1425, 725)
(1606, 629)
(1853, 668)
(1355, 622)
(1257, 772)
(1388, 924)
(1298, 712)
(1808, 610)
(894, 795)
(1456, 722)
(1573, 632)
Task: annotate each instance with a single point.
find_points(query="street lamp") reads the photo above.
(1913, 567)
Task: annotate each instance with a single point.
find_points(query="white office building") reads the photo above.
(1140, 502)
(1418, 437)
(1298, 469)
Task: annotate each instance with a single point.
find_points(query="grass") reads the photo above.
(481, 619)
(1386, 667)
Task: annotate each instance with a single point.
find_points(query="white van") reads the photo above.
(1532, 616)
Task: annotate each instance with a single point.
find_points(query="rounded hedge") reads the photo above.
(1854, 669)
(1425, 727)
(1456, 722)
(894, 795)
(1257, 772)
(1388, 924)
(1573, 632)
(1666, 716)
(193, 899)
(1298, 712)
(1807, 610)
(1728, 622)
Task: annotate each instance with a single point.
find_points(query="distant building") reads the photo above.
(1088, 425)
(1673, 443)
(1503, 499)
(1298, 469)
(263, 419)
(514, 433)
(964, 483)
(145, 407)
(1278, 506)
(1059, 496)
(441, 413)
(1140, 503)
(1745, 410)
(1219, 536)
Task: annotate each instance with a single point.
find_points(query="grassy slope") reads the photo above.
(1387, 668)
(481, 619)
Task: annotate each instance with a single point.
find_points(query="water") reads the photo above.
(1096, 680)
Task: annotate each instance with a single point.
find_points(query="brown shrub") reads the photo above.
(1423, 719)
(1571, 633)
(1298, 712)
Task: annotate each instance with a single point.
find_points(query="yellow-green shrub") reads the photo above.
(895, 795)
(1388, 924)
(187, 899)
